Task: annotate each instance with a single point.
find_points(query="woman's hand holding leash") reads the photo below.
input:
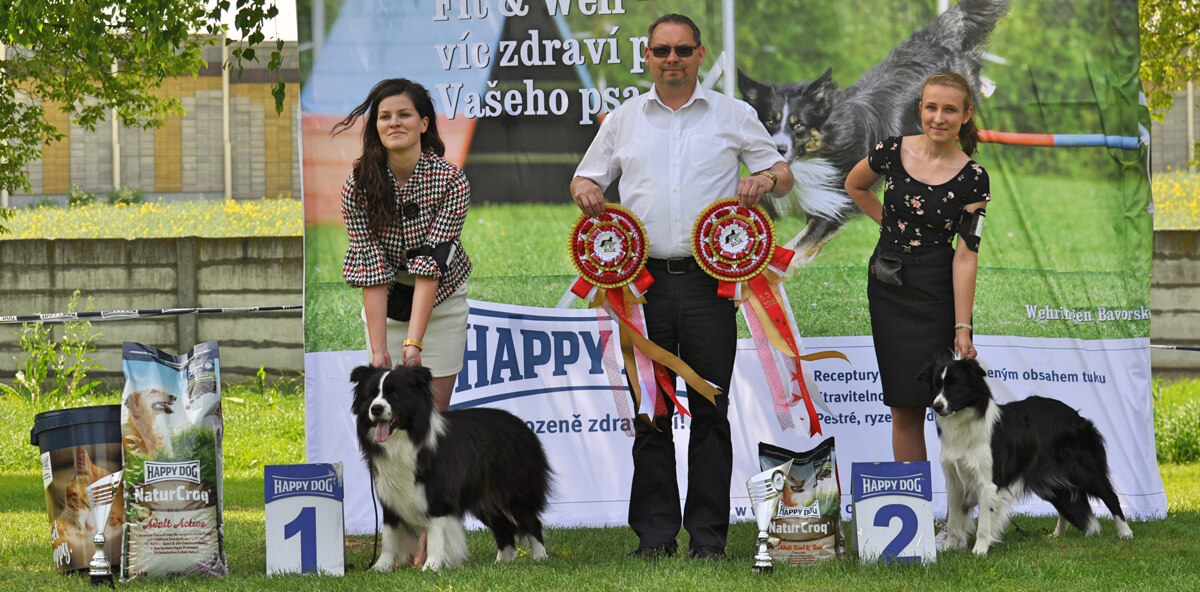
(962, 343)
(411, 355)
(381, 359)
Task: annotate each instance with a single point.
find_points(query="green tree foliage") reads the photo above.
(92, 57)
(1170, 39)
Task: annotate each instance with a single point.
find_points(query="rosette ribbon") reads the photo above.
(610, 254)
(737, 246)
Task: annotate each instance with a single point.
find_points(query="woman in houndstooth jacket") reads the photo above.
(404, 207)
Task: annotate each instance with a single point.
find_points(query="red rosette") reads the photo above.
(732, 243)
(609, 251)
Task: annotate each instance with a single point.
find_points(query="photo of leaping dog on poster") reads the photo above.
(823, 131)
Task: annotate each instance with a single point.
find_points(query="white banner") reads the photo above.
(544, 365)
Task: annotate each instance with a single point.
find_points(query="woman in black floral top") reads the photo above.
(921, 287)
(404, 207)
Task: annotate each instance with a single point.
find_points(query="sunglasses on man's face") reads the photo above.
(683, 51)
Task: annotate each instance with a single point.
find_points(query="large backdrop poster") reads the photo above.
(521, 87)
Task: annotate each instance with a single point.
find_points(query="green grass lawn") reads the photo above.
(266, 427)
(1048, 242)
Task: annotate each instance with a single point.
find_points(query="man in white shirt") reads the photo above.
(676, 149)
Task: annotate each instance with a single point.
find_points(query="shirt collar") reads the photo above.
(698, 94)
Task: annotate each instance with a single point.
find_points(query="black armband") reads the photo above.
(442, 253)
(970, 228)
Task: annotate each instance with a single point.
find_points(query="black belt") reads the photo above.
(674, 266)
(911, 250)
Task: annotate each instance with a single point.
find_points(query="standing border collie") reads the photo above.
(431, 468)
(992, 454)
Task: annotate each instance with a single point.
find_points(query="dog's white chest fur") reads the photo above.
(397, 484)
(967, 446)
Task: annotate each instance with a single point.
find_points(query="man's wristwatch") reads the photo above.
(768, 174)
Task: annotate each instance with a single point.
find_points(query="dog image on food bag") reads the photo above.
(146, 428)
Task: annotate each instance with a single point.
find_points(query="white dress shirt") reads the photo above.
(672, 164)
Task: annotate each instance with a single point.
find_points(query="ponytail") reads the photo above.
(968, 137)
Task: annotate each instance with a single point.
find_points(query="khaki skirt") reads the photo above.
(445, 335)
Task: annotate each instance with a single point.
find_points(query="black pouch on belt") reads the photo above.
(887, 268)
(399, 302)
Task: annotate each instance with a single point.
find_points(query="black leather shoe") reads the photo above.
(653, 552)
(708, 553)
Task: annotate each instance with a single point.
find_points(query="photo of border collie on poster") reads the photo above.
(521, 86)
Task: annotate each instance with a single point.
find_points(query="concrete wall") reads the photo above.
(38, 276)
(1175, 302)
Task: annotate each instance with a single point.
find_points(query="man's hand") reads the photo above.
(751, 189)
(587, 196)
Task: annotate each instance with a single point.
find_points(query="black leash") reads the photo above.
(375, 549)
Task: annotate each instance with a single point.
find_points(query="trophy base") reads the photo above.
(99, 571)
(763, 569)
(101, 579)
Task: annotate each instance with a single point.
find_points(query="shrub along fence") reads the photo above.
(39, 276)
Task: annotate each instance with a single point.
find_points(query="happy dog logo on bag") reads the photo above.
(812, 512)
(173, 471)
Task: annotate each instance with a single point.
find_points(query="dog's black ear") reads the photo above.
(749, 87)
(822, 87)
(424, 373)
(976, 368)
(360, 373)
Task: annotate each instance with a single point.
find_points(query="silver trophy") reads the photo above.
(101, 494)
(766, 488)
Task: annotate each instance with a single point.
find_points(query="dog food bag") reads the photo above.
(807, 527)
(171, 428)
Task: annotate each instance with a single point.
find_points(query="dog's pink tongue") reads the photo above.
(382, 431)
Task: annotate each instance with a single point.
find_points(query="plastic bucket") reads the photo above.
(78, 447)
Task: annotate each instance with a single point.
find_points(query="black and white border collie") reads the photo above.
(993, 454)
(431, 468)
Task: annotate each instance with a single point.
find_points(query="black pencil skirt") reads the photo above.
(912, 323)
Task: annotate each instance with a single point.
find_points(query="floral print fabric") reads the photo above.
(917, 214)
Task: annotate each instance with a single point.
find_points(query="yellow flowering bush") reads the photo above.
(160, 219)
(1176, 199)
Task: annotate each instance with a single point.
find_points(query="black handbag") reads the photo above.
(887, 268)
(399, 302)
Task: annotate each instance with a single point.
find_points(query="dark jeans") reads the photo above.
(685, 316)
